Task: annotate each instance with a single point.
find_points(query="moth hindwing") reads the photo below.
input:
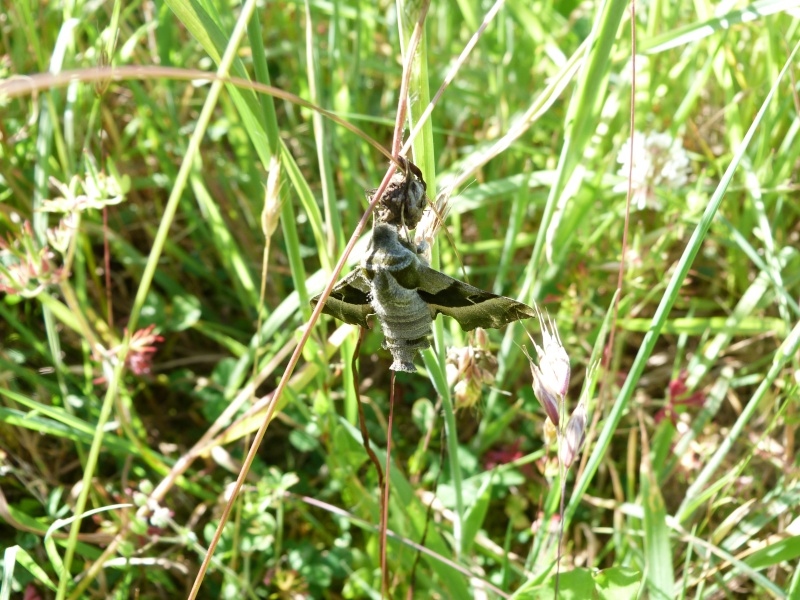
(403, 202)
(394, 283)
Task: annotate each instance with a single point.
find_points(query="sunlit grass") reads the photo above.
(687, 486)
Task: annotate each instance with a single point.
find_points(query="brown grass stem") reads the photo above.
(385, 494)
(33, 84)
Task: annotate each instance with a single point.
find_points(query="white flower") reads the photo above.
(659, 160)
(160, 517)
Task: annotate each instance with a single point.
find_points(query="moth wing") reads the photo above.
(472, 307)
(349, 300)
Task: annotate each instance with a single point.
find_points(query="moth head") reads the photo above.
(403, 202)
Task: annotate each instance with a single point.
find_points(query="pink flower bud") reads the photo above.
(545, 395)
(574, 436)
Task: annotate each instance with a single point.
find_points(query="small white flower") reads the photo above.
(659, 160)
(160, 517)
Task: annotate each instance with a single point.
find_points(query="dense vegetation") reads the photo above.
(162, 233)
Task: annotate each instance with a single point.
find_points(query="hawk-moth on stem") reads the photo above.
(397, 285)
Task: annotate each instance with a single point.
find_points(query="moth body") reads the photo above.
(405, 319)
(396, 284)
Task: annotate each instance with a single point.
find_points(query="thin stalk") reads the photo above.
(385, 494)
(295, 358)
(362, 420)
(30, 84)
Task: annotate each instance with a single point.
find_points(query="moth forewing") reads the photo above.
(349, 299)
(471, 306)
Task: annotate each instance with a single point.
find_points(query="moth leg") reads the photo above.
(403, 222)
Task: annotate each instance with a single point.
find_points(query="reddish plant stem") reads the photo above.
(362, 420)
(385, 494)
(402, 103)
(251, 454)
(107, 260)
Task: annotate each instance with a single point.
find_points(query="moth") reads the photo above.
(403, 202)
(394, 283)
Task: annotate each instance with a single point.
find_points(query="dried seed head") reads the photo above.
(430, 224)
(60, 236)
(96, 191)
(551, 375)
(272, 199)
(574, 435)
(25, 269)
(469, 369)
(466, 393)
(481, 338)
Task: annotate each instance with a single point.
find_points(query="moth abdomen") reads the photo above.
(404, 351)
(407, 327)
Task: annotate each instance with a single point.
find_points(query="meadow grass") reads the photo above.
(156, 284)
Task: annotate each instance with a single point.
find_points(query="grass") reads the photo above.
(120, 442)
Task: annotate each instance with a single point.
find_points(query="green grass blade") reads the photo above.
(669, 297)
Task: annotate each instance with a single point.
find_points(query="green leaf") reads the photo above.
(617, 583)
(657, 548)
(186, 311)
(476, 514)
(787, 550)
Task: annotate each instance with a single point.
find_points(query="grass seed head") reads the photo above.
(272, 200)
(551, 375)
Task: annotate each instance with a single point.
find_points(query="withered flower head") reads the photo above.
(25, 268)
(469, 368)
(96, 191)
(432, 220)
